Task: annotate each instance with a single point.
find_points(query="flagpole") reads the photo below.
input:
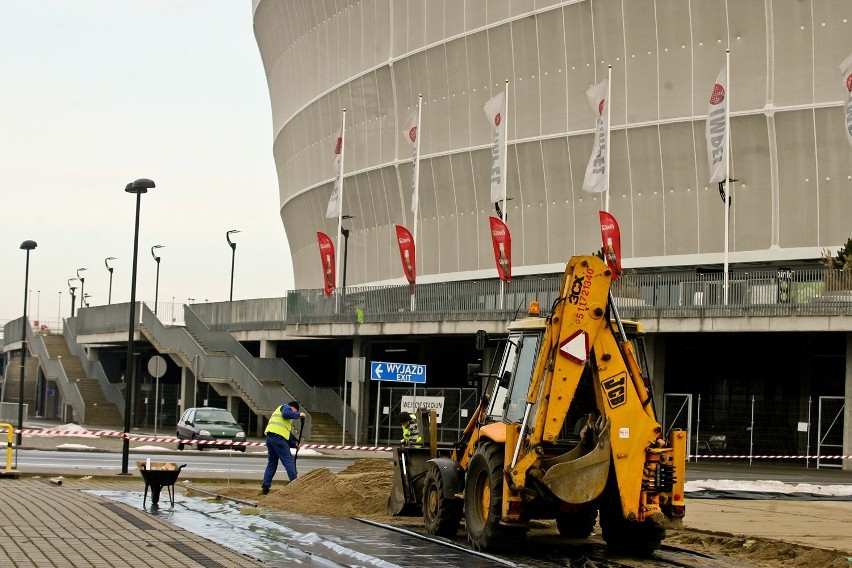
(608, 138)
(340, 202)
(416, 197)
(727, 169)
(505, 165)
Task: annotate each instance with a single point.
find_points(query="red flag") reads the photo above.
(502, 242)
(611, 237)
(326, 248)
(406, 253)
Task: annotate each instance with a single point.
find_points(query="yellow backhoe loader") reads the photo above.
(565, 430)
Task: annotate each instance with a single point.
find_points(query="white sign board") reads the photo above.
(427, 402)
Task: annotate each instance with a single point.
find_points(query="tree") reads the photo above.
(843, 260)
(839, 275)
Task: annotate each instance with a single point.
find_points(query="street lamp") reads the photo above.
(73, 296)
(233, 256)
(84, 301)
(157, 285)
(137, 187)
(82, 286)
(106, 263)
(27, 246)
(345, 233)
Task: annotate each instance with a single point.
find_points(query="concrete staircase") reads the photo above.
(326, 430)
(99, 411)
(12, 388)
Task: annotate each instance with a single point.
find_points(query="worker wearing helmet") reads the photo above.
(410, 431)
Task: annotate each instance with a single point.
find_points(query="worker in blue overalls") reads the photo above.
(279, 440)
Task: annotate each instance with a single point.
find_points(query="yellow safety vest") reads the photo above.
(407, 432)
(279, 425)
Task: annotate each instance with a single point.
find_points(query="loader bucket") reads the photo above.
(580, 476)
(403, 498)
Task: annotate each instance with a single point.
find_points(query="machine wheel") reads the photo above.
(623, 535)
(576, 524)
(441, 515)
(483, 501)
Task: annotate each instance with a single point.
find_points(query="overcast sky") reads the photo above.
(97, 93)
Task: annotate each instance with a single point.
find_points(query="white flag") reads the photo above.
(334, 204)
(846, 68)
(714, 130)
(410, 132)
(495, 110)
(596, 171)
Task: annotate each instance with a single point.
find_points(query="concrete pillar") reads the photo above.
(267, 349)
(847, 409)
(187, 389)
(359, 394)
(655, 350)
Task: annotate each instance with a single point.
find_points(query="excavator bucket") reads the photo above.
(580, 476)
(404, 496)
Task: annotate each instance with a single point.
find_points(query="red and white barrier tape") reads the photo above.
(764, 457)
(114, 433)
(42, 432)
(163, 440)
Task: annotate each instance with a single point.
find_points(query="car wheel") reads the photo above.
(180, 444)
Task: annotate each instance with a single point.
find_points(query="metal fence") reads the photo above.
(748, 428)
(815, 292)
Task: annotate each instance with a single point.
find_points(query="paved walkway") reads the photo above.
(46, 524)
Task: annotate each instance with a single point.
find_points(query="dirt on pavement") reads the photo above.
(362, 491)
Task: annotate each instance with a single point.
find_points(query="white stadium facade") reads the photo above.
(374, 58)
(364, 64)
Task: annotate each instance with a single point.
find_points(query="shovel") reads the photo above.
(298, 442)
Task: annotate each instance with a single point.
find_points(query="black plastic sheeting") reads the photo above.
(763, 495)
(281, 538)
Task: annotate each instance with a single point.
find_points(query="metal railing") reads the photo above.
(812, 292)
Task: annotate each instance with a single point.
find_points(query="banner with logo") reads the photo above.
(411, 134)
(846, 69)
(495, 110)
(326, 248)
(334, 202)
(611, 237)
(406, 253)
(715, 129)
(502, 242)
(596, 180)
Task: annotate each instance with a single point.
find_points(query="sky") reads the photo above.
(98, 93)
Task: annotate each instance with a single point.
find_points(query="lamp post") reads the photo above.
(27, 246)
(82, 286)
(137, 187)
(106, 262)
(84, 301)
(345, 233)
(233, 246)
(73, 296)
(157, 284)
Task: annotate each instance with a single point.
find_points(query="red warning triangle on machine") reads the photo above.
(576, 347)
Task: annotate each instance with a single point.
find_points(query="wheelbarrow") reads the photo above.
(157, 475)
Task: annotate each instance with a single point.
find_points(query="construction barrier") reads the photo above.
(164, 440)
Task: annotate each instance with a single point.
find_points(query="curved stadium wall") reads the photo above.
(374, 57)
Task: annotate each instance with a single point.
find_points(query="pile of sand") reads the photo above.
(360, 490)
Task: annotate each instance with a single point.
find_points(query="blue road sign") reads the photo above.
(397, 372)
